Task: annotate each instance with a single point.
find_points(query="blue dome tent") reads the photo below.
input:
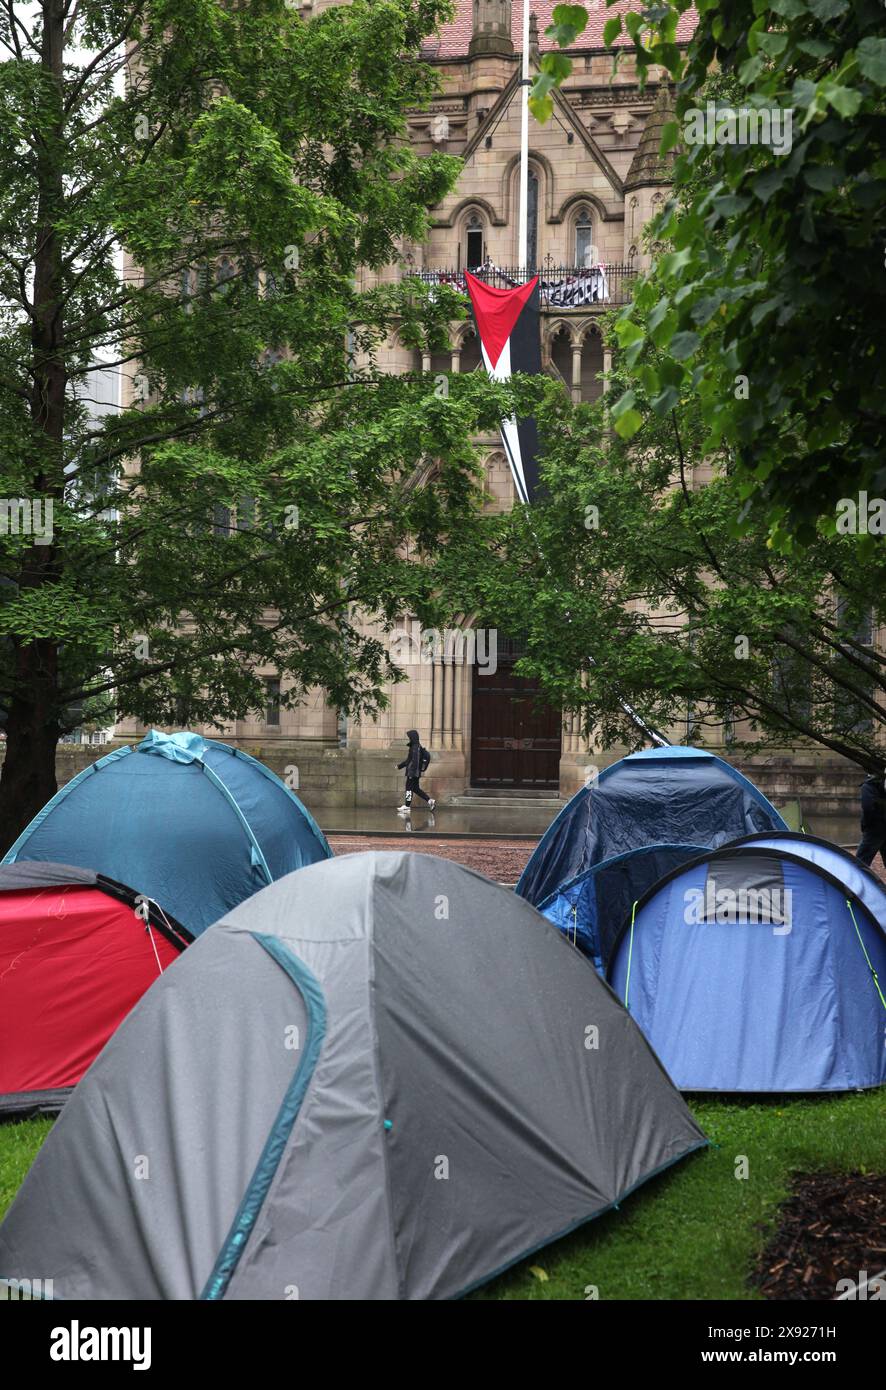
(758, 967)
(590, 909)
(198, 825)
(662, 796)
(857, 877)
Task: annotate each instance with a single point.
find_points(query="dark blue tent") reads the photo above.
(590, 910)
(757, 967)
(198, 825)
(663, 796)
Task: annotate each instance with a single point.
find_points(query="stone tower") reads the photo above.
(649, 179)
(492, 28)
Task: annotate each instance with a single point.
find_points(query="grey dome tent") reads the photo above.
(381, 1077)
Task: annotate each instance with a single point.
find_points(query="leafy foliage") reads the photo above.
(634, 582)
(773, 299)
(256, 504)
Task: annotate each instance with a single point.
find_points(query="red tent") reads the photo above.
(77, 951)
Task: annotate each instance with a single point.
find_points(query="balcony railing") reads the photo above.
(560, 286)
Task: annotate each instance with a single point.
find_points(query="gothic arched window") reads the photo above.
(475, 239)
(470, 358)
(584, 238)
(532, 239)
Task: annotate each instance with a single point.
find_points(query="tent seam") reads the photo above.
(376, 1065)
(702, 1143)
(278, 782)
(273, 1152)
(228, 794)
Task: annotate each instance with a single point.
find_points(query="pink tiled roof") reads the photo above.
(456, 36)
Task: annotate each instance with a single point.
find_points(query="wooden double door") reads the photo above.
(515, 736)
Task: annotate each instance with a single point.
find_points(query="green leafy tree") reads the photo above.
(634, 582)
(772, 300)
(203, 224)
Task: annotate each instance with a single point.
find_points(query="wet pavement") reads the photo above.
(513, 821)
(510, 822)
(493, 839)
(503, 860)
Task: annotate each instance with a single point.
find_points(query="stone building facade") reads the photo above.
(596, 180)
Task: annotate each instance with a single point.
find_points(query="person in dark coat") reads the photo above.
(415, 764)
(873, 820)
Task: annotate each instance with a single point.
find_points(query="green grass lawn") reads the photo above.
(18, 1148)
(693, 1232)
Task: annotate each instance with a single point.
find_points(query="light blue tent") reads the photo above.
(758, 967)
(662, 796)
(198, 825)
(857, 877)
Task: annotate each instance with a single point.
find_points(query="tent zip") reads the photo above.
(630, 951)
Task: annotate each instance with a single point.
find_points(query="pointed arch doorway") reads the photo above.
(516, 738)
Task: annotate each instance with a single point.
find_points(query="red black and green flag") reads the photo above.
(508, 328)
(509, 331)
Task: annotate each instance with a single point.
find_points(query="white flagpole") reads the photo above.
(523, 249)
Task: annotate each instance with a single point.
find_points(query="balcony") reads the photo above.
(561, 287)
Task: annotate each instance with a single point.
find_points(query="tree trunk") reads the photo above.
(32, 732)
(32, 728)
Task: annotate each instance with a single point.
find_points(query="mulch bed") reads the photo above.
(831, 1228)
(503, 860)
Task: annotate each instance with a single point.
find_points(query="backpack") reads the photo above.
(424, 761)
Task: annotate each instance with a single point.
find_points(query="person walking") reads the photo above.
(415, 764)
(873, 820)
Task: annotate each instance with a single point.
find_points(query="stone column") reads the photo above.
(446, 701)
(462, 675)
(437, 701)
(576, 373)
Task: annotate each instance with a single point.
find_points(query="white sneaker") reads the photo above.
(431, 804)
(401, 810)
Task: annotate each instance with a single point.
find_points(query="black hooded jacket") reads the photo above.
(413, 760)
(873, 804)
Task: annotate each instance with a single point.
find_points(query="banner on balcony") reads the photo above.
(508, 328)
